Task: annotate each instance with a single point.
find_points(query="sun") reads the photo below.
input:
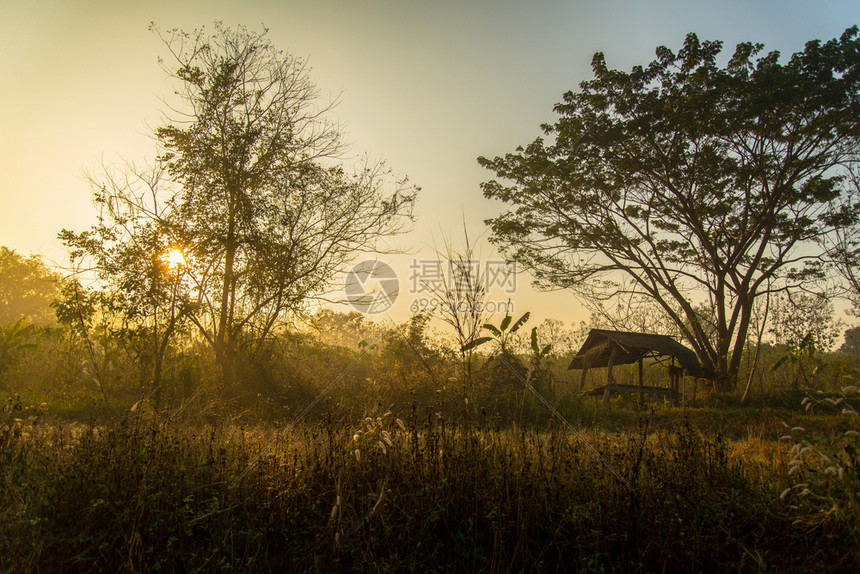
(174, 258)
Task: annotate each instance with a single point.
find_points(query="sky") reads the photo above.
(428, 86)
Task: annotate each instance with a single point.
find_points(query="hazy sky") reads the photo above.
(428, 86)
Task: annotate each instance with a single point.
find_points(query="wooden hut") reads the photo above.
(605, 348)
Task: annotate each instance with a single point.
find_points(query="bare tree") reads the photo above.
(462, 298)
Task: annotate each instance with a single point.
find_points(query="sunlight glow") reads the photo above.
(174, 258)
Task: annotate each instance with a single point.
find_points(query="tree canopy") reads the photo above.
(27, 289)
(691, 183)
(249, 191)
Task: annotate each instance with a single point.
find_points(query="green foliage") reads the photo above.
(799, 316)
(682, 178)
(852, 341)
(14, 339)
(539, 378)
(27, 289)
(798, 355)
(350, 330)
(501, 334)
(77, 306)
(537, 351)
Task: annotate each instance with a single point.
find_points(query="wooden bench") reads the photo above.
(664, 392)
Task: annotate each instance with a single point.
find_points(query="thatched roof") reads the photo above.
(631, 347)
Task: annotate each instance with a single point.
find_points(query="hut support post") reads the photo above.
(675, 379)
(609, 379)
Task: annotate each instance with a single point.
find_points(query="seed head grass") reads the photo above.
(390, 492)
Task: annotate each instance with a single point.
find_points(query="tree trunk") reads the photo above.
(223, 338)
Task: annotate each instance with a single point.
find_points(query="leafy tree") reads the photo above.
(690, 183)
(804, 357)
(852, 341)
(14, 338)
(349, 329)
(146, 293)
(247, 186)
(27, 289)
(798, 316)
(85, 315)
(562, 339)
(413, 360)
